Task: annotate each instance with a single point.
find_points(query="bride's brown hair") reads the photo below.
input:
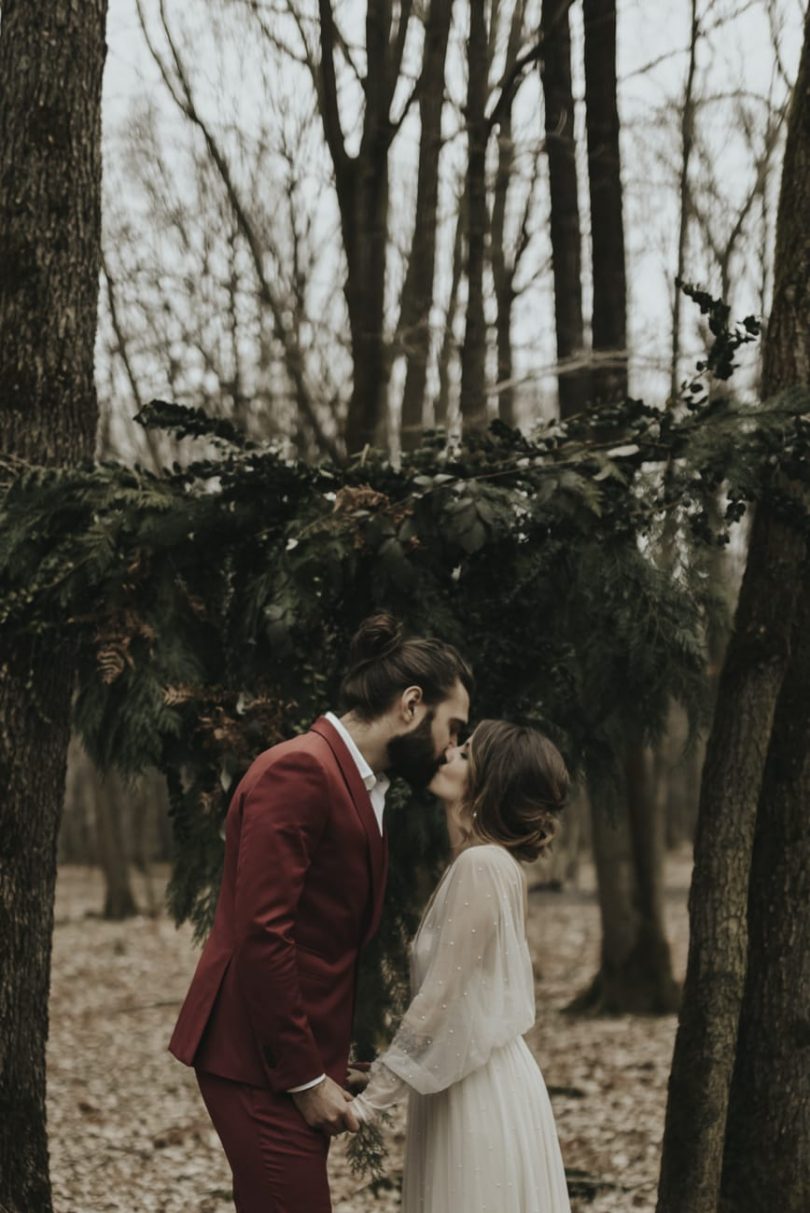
(518, 786)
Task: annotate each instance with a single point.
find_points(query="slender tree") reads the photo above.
(566, 242)
(742, 739)
(609, 323)
(417, 289)
(635, 972)
(51, 64)
(473, 352)
(504, 266)
(687, 140)
(361, 181)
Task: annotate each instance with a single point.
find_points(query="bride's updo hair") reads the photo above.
(518, 786)
(383, 661)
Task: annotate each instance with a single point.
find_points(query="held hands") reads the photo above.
(357, 1076)
(326, 1107)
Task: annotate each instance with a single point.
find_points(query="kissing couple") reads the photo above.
(267, 1021)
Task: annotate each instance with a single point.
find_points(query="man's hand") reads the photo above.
(326, 1107)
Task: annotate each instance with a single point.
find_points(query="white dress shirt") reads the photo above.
(376, 786)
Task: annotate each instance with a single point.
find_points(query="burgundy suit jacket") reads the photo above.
(272, 1000)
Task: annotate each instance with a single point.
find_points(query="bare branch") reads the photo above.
(181, 92)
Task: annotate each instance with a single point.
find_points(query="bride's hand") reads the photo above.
(357, 1076)
(362, 1111)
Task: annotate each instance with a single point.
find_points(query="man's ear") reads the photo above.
(409, 703)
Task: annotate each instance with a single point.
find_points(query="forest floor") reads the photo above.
(128, 1130)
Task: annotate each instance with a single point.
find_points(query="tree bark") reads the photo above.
(767, 1145)
(750, 685)
(448, 350)
(474, 349)
(504, 267)
(51, 63)
(566, 240)
(609, 322)
(362, 192)
(108, 805)
(417, 290)
(644, 982)
(635, 972)
(687, 140)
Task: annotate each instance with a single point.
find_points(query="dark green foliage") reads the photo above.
(213, 605)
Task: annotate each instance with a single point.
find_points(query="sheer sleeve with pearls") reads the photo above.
(475, 992)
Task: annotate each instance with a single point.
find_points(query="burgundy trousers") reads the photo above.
(278, 1161)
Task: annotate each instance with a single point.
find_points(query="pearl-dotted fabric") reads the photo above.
(481, 1135)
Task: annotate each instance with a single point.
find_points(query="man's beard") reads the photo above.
(413, 755)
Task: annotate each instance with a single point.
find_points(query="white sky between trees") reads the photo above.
(234, 88)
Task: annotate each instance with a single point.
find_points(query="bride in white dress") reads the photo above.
(481, 1135)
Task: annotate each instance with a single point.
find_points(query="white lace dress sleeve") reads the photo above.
(471, 978)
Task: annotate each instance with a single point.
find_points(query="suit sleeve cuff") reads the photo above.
(305, 1086)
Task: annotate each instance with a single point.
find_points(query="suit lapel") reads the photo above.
(377, 843)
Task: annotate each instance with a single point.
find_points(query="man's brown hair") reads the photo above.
(383, 662)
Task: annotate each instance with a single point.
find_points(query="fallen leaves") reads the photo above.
(128, 1129)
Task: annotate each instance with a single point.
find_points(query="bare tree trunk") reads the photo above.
(566, 241)
(767, 1146)
(417, 290)
(615, 880)
(635, 972)
(643, 980)
(362, 191)
(51, 64)
(687, 139)
(660, 990)
(604, 175)
(504, 266)
(108, 807)
(474, 349)
(751, 682)
(448, 346)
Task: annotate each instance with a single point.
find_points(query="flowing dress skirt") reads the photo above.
(487, 1144)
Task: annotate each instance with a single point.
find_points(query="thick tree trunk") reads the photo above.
(566, 241)
(767, 1146)
(750, 684)
(417, 290)
(609, 323)
(474, 349)
(635, 972)
(51, 62)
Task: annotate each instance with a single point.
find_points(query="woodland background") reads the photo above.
(356, 236)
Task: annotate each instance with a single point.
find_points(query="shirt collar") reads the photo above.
(366, 774)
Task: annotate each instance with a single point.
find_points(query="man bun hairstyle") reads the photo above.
(383, 661)
(518, 787)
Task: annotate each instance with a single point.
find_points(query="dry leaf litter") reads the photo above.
(128, 1130)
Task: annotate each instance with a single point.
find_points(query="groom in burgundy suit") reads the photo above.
(267, 1020)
